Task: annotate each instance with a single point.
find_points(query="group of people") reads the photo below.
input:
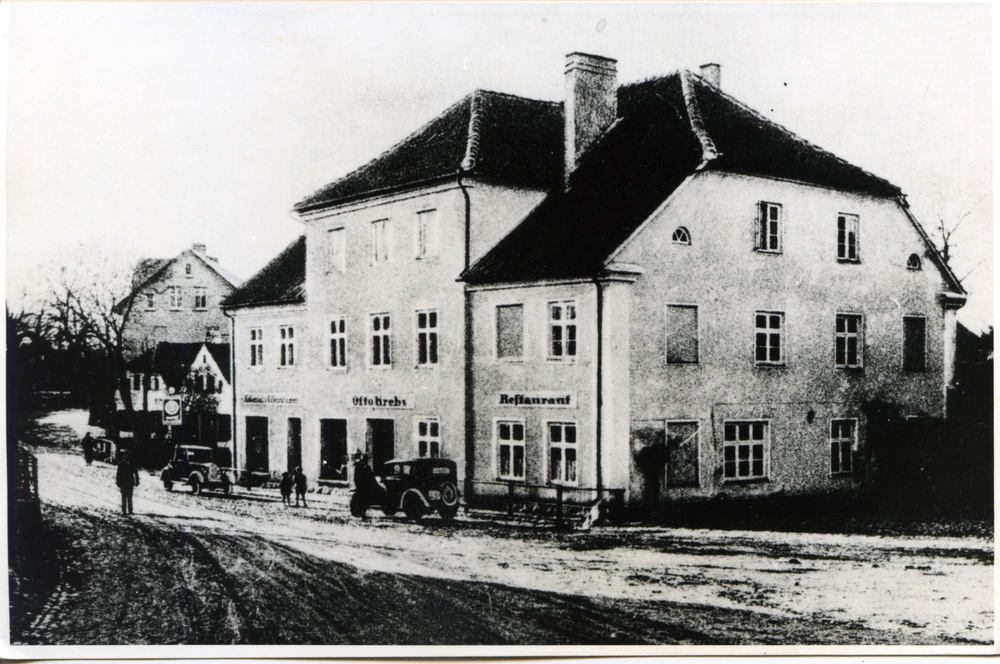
(298, 480)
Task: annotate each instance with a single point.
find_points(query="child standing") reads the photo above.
(286, 489)
(300, 487)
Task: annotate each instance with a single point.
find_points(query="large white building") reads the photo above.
(649, 289)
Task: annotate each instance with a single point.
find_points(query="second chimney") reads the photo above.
(591, 102)
(713, 74)
(198, 247)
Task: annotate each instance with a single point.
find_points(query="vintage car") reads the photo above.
(196, 467)
(415, 486)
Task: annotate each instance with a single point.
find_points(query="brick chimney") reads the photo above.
(713, 74)
(591, 102)
(198, 247)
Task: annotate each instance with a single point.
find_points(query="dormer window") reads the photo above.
(913, 262)
(681, 236)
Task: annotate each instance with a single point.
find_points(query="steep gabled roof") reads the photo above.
(150, 270)
(172, 361)
(503, 138)
(282, 281)
(666, 129)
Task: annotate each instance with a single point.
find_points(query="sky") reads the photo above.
(141, 128)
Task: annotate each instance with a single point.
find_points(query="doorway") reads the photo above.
(257, 444)
(381, 440)
(333, 450)
(294, 443)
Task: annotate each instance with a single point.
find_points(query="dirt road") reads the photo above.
(246, 569)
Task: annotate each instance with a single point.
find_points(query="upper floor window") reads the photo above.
(338, 343)
(849, 347)
(841, 445)
(427, 338)
(256, 347)
(187, 269)
(428, 438)
(682, 334)
(562, 330)
(914, 343)
(381, 340)
(287, 350)
(427, 234)
(380, 241)
(200, 297)
(562, 452)
(681, 236)
(176, 296)
(510, 331)
(913, 262)
(847, 237)
(337, 250)
(510, 449)
(150, 302)
(768, 332)
(744, 450)
(768, 227)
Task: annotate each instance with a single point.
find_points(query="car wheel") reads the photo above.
(449, 494)
(414, 508)
(358, 506)
(448, 512)
(195, 487)
(169, 486)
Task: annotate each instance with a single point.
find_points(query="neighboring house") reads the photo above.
(199, 375)
(272, 368)
(705, 309)
(665, 294)
(177, 300)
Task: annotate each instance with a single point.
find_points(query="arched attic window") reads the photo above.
(913, 262)
(681, 236)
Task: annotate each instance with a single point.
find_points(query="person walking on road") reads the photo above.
(286, 489)
(300, 487)
(88, 448)
(127, 479)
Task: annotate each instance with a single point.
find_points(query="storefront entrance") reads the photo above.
(381, 440)
(333, 450)
(294, 443)
(257, 444)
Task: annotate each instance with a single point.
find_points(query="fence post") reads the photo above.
(559, 507)
(510, 499)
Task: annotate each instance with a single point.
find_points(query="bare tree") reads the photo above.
(946, 231)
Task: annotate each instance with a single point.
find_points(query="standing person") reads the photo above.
(286, 489)
(300, 487)
(127, 478)
(88, 448)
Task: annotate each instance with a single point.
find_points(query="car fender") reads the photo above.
(196, 475)
(415, 492)
(165, 475)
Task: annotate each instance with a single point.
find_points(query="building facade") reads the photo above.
(177, 300)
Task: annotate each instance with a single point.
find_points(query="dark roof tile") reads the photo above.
(282, 281)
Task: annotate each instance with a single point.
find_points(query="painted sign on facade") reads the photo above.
(537, 399)
(271, 398)
(395, 401)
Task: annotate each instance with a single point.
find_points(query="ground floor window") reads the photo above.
(510, 448)
(745, 450)
(428, 438)
(562, 452)
(842, 436)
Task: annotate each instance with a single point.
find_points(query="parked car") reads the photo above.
(195, 466)
(415, 486)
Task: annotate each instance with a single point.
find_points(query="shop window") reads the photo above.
(914, 343)
(562, 452)
(380, 241)
(510, 332)
(286, 353)
(381, 334)
(562, 330)
(913, 262)
(682, 334)
(842, 437)
(847, 238)
(338, 343)
(428, 438)
(769, 227)
(510, 450)
(427, 338)
(427, 234)
(200, 297)
(256, 347)
(768, 332)
(337, 248)
(744, 449)
(849, 342)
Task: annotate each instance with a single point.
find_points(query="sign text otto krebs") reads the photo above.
(537, 399)
(396, 401)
